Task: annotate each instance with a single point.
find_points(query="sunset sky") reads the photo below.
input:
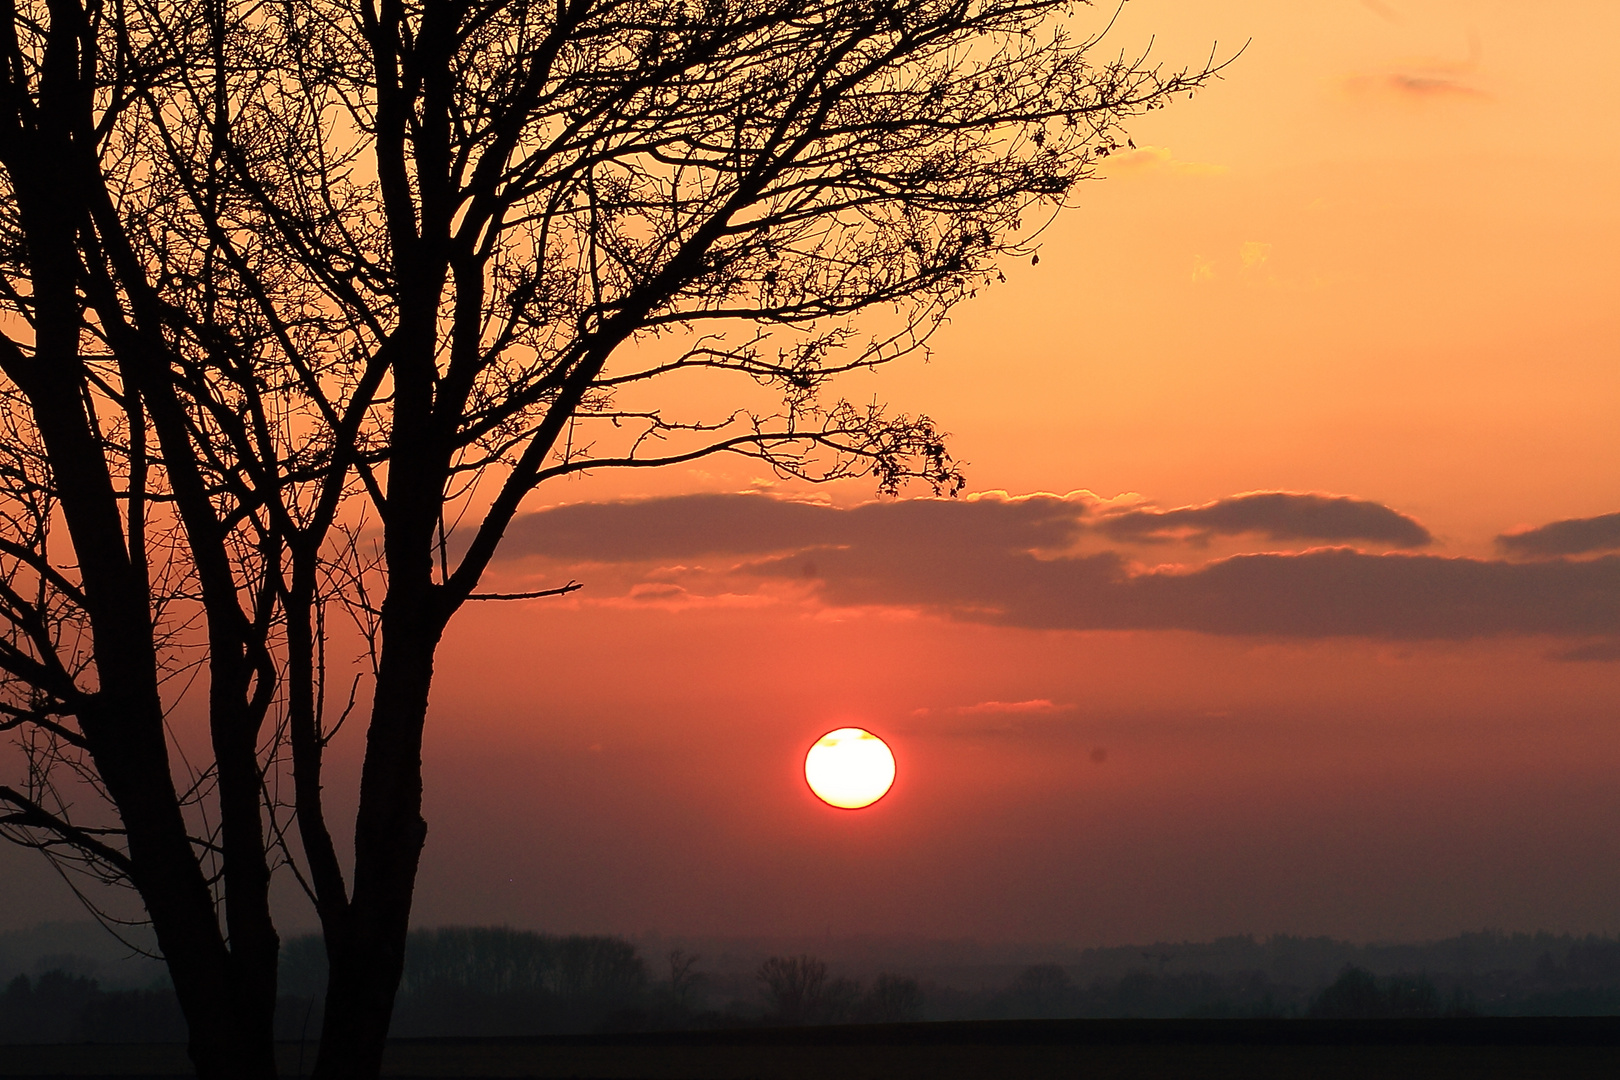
(1373, 269)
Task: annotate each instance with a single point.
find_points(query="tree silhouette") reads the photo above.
(798, 991)
(1041, 990)
(792, 986)
(893, 999)
(1359, 994)
(684, 977)
(303, 298)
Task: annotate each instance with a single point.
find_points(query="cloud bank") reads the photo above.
(1336, 592)
(1016, 562)
(688, 526)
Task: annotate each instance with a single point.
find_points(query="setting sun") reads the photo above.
(849, 768)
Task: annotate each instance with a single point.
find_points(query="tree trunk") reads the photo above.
(226, 1036)
(366, 954)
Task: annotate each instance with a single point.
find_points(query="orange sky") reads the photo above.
(1377, 260)
(1316, 277)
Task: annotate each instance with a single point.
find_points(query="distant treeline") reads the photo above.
(498, 981)
(1541, 959)
(488, 981)
(56, 1006)
(472, 981)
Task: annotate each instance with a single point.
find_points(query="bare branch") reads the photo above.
(561, 590)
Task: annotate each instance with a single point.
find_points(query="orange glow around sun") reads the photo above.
(849, 768)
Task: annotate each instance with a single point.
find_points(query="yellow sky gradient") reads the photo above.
(1402, 285)
(1377, 258)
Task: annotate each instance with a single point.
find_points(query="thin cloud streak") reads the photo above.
(1573, 536)
(1602, 652)
(1279, 515)
(1034, 706)
(1432, 86)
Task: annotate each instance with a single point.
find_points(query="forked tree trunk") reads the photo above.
(228, 998)
(230, 1033)
(227, 994)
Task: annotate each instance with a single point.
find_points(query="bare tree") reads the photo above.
(794, 988)
(303, 298)
(684, 977)
(893, 999)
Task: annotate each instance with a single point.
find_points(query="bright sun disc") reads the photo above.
(849, 768)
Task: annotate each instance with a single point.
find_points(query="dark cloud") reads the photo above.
(1603, 652)
(1432, 86)
(687, 526)
(1281, 515)
(1012, 562)
(1018, 708)
(1576, 536)
(1344, 592)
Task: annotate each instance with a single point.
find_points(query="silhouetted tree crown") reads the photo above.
(302, 299)
(1358, 994)
(893, 999)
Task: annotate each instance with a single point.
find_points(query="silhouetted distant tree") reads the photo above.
(1040, 991)
(300, 300)
(684, 978)
(1412, 995)
(839, 1002)
(1355, 994)
(797, 990)
(893, 999)
(1358, 994)
(793, 987)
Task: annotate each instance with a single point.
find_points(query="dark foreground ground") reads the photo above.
(1562, 1047)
